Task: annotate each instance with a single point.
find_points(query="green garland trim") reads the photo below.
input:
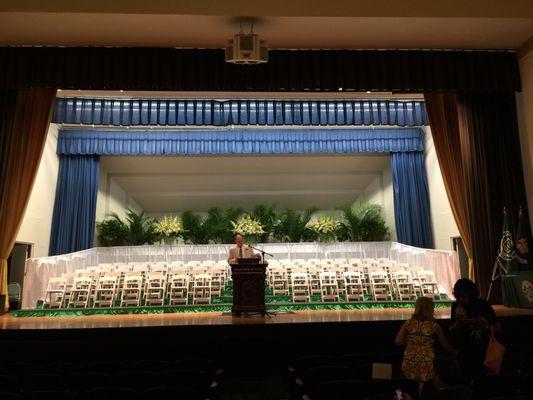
(278, 304)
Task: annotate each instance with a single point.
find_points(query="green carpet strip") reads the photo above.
(223, 303)
(222, 307)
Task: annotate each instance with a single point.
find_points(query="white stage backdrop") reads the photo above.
(445, 264)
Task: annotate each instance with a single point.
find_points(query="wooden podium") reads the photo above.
(248, 287)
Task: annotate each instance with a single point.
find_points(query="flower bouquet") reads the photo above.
(248, 227)
(169, 229)
(325, 228)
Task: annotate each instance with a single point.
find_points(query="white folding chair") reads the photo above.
(199, 269)
(217, 281)
(339, 261)
(106, 290)
(380, 285)
(280, 283)
(300, 287)
(208, 263)
(314, 280)
(140, 269)
(175, 264)
(326, 266)
(383, 262)
(201, 292)
(353, 285)
(428, 283)
(154, 289)
(131, 290)
(355, 262)
(370, 262)
(158, 267)
(54, 295)
(329, 289)
(403, 283)
(178, 292)
(80, 293)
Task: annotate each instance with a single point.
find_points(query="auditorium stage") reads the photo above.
(8, 322)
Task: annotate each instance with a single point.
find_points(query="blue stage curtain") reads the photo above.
(172, 112)
(240, 141)
(411, 199)
(73, 220)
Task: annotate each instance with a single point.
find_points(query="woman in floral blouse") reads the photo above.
(418, 335)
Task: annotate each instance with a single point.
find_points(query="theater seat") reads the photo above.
(42, 381)
(493, 386)
(109, 393)
(340, 390)
(50, 395)
(138, 380)
(165, 392)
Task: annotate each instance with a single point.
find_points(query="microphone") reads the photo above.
(261, 251)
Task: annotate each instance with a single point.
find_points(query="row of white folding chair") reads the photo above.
(198, 287)
(303, 285)
(220, 274)
(377, 282)
(176, 287)
(104, 290)
(327, 286)
(320, 261)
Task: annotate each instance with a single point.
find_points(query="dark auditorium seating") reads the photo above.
(325, 373)
(111, 379)
(339, 390)
(187, 378)
(10, 396)
(137, 380)
(109, 393)
(82, 381)
(50, 395)
(493, 386)
(43, 381)
(9, 383)
(109, 367)
(150, 365)
(512, 397)
(172, 393)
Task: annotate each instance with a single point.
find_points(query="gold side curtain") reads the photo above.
(24, 119)
(443, 116)
(478, 148)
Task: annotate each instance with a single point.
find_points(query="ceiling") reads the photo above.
(176, 184)
(311, 24)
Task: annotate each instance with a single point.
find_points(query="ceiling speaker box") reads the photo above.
(246, 49)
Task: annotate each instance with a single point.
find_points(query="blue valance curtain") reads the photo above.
(240, 141)
(73, 219)
(79, 151)
(172, 112)
(411, 199)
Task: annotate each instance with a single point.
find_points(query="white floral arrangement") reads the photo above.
(247, 226)
(325, 225)
(168, 226)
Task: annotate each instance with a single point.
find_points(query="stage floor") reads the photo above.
(8, 322)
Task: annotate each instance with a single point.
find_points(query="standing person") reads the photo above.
(418, 335)
(472, 319)
(241, 250)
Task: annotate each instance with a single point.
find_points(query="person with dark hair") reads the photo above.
(472, 318)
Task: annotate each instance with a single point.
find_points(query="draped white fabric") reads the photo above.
(444, 264)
